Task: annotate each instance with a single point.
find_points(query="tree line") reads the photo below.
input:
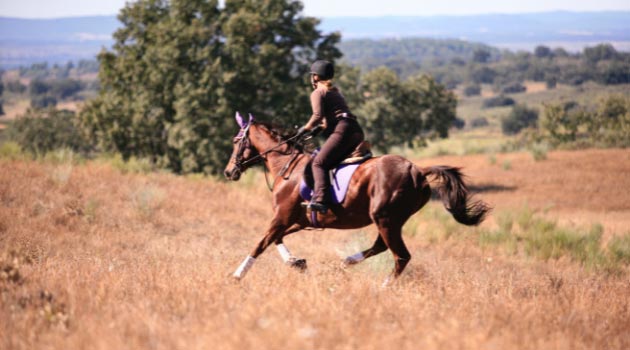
(455, 63)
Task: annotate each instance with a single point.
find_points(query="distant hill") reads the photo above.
(495, 29)
(25, 41)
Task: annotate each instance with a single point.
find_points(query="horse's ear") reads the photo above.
(251, 118)
(239, 119)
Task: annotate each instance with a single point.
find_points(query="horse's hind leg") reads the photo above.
(377, 248)
(392, 235)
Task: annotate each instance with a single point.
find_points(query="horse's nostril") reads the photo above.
(226, 173)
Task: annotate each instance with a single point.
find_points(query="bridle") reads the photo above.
(244, 143)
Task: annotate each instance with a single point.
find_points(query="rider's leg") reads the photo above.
(339, 144)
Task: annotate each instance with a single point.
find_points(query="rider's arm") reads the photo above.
(318, 111)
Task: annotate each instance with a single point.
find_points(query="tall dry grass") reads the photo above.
(91, 258)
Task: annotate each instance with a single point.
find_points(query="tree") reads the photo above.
(399, 113)
(64, 88)
(483, 75)
(599, 53)
(180, 69)
(481, 56)
(542, 52)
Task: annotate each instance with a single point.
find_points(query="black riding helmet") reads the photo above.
(324, 69)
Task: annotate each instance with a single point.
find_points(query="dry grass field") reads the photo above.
(94, 258)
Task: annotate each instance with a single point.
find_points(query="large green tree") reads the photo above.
(179, 69)
(395, 112)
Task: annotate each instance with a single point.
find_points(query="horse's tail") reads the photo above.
(456, 197)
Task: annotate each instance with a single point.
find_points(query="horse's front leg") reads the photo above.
(274, 233)
(284, 252)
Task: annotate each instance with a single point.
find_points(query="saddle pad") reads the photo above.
(340, 180)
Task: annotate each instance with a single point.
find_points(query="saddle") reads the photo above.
(362, 152)
(339, 176)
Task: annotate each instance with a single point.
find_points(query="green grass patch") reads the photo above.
(539, 151)
(11, 150)
(524, 231)
(619, 249)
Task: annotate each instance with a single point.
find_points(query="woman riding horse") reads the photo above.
(385, 191)
(341, 129)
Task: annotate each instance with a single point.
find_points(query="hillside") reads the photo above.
(91, 257)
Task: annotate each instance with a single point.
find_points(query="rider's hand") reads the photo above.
(301, 131)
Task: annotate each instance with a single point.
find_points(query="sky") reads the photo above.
(328, 8)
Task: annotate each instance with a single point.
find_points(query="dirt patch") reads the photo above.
(535, 86)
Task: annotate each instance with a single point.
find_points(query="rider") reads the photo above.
(340, 127)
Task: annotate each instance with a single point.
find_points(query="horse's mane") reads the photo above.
(282, 134)
(278, 132)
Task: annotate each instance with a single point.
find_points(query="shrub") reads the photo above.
(459, 123)
(513, 88)
(498, 101)
(545, 239)
(619, 249)
(539, 151)
(16, 87)
(43, 101)
(42, 131)
(479, 122)
(472, 90)
(520, 118)
(10, 150)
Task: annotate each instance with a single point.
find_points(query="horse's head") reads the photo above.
(243, 152)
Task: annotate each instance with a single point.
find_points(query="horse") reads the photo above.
(384, 191)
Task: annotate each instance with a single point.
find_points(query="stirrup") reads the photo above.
(318, 206)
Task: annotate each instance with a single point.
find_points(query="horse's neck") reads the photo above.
(262, 140)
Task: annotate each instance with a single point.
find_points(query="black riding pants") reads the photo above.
(345, 138)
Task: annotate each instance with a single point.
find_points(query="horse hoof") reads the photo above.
(349, 262)
(299, 264)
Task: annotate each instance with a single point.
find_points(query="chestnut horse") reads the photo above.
(384, 190)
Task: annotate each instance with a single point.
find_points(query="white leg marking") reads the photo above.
(387, 282)
(284, 252)
(244, 267)
(354, 259)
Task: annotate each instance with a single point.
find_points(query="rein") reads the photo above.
(241, 165)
